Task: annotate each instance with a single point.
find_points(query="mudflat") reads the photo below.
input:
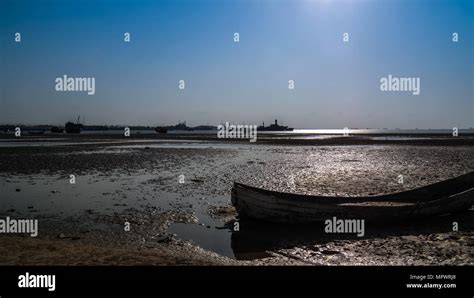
(174, 194)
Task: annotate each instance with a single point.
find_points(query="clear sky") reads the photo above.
(337, 84)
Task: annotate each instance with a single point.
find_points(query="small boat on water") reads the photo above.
(445, 197)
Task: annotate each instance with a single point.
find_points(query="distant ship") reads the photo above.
(180, 126)
(274, 127)
(36, 132)
(161, 129)
(71, 127)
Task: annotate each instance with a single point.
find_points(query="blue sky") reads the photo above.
(336, 84)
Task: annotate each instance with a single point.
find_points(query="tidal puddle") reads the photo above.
(206, 236)
(54, 196)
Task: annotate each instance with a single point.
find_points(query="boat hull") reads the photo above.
(271, 206)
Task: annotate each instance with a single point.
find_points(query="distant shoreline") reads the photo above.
(85, 139)
(213, 128)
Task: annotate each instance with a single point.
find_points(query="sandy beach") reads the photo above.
(174, 191)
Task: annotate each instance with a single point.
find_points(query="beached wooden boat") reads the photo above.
(445, 197)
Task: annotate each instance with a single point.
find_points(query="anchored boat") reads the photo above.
(71, 127)
(274, 127)
(445, 197)
(56, 129)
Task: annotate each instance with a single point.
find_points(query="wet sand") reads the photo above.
(138, 181)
